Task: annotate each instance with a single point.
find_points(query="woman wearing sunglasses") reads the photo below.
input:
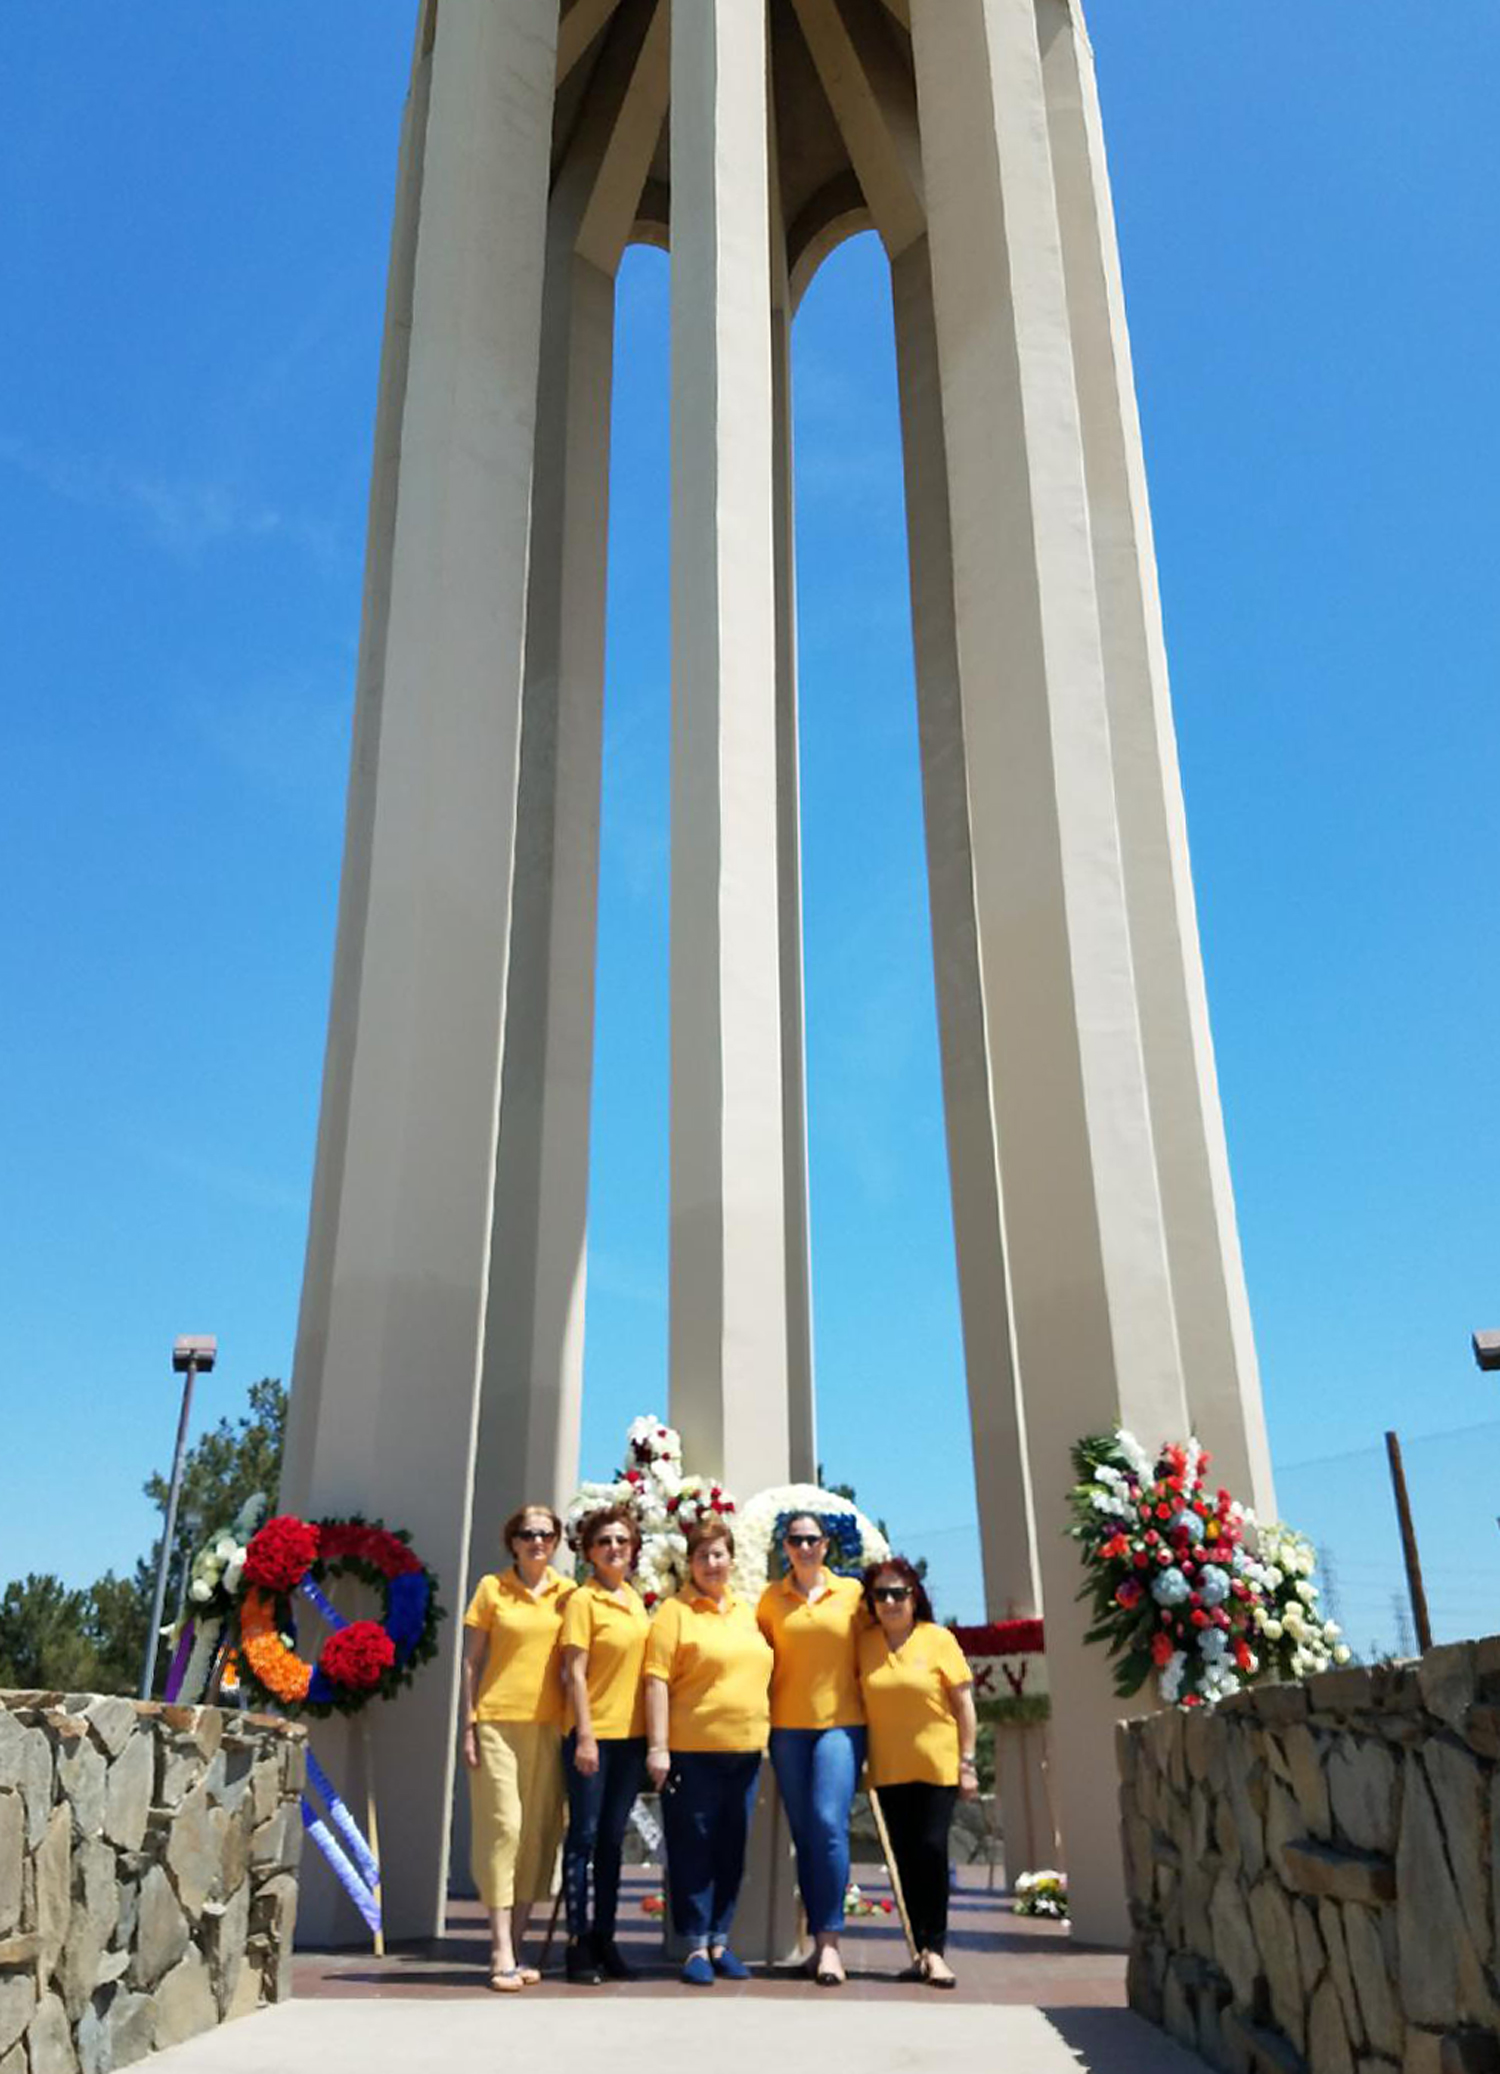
(604, 1635)
(919, 1704)
(513, 1708)
(817, 1725)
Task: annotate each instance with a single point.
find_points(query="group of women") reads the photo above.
(574, 1695)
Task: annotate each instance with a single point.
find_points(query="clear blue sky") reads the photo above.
(197, 204)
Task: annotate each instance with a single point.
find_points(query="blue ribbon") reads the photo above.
(343, 1822)
(325, 1606)
(359, 1893)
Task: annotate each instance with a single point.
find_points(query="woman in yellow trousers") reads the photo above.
(512, 1735)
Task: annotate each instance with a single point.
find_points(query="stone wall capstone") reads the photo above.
(148, 1874)
(1314, 1870)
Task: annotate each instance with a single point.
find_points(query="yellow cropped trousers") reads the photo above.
(516, 1810)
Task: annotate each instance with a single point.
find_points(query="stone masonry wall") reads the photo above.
(148, 1874)
(1313, 1873)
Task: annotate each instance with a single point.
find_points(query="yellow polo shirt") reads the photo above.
(521, 1679)
(913, 1733)
(815, 1683)
(716, 1666)
(612, 1633)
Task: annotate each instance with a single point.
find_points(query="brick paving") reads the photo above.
(999, 1957)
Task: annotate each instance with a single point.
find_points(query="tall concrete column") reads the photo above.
(532, 1385)
(398, 1252)
(1001, 1483)
(801, 1395)
(1091, 1293)
(533, 1358)
(995, 1413)
(728, 1190)
(1208, 1280)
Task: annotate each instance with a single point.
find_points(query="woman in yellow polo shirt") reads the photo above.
(708, 1676)
(604, 1634)
(919, 1704)
(513, 1705)
(809, 1618)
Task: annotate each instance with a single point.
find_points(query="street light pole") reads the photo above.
(191, 1356)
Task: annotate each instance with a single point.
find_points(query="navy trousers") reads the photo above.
(599, 1807)
(706, 1812)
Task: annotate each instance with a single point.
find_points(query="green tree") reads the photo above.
(42, 1636)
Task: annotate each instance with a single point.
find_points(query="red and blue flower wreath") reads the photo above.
(360, 1660)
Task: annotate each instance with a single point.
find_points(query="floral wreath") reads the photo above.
(853, 1540)
(360, 1660)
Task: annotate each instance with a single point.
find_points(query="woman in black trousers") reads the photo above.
(919, 1705)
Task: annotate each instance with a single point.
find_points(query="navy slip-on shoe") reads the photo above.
(698, 1971)
(731, 1968)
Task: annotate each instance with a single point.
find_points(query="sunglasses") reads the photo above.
(893, 1594)
(805, 1540)
(535, 1534)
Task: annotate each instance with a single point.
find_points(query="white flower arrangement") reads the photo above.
(213, 1580)
(1043, 1893)
(854, 1540)
(663, 1502)
(1299, 1641)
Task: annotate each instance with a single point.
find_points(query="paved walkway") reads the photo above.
(1028, 2001)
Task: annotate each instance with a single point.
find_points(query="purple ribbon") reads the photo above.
(180, 1657)
(361, 1895)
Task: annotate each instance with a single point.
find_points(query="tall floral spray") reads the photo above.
(663, 1500)
(1182, 1583)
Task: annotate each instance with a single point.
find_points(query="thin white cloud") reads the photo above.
(240, 1184)
(183, 515)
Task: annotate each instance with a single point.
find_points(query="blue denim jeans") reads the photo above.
(706, 1815)
(817, 1770)
(599, 1807)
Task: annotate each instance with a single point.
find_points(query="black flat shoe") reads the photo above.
(580, 1967)
(611, 1961)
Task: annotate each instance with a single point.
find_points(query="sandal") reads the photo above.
(829, 1977)
(946, 1979)
(528, 1976)
(507, 1981)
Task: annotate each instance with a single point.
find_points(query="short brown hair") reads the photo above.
(921, 1605)
(517, 1520)
(714, 1527)
(592, 1525)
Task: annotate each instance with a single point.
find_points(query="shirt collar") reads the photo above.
(702, 1603)
(513, 1582)
(789, 1585)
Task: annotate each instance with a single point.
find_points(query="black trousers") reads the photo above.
(918, 1817)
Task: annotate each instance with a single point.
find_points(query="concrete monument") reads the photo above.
(439, 1355)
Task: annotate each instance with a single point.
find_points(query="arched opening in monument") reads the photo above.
(625, 1336)
(892, 1413)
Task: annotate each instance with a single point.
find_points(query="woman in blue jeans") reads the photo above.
(810, 1618)
(708, 1671)
(604, 1633)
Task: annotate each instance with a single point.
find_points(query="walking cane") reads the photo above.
(541, 1964)
(890, 1865)
(773, 1884)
